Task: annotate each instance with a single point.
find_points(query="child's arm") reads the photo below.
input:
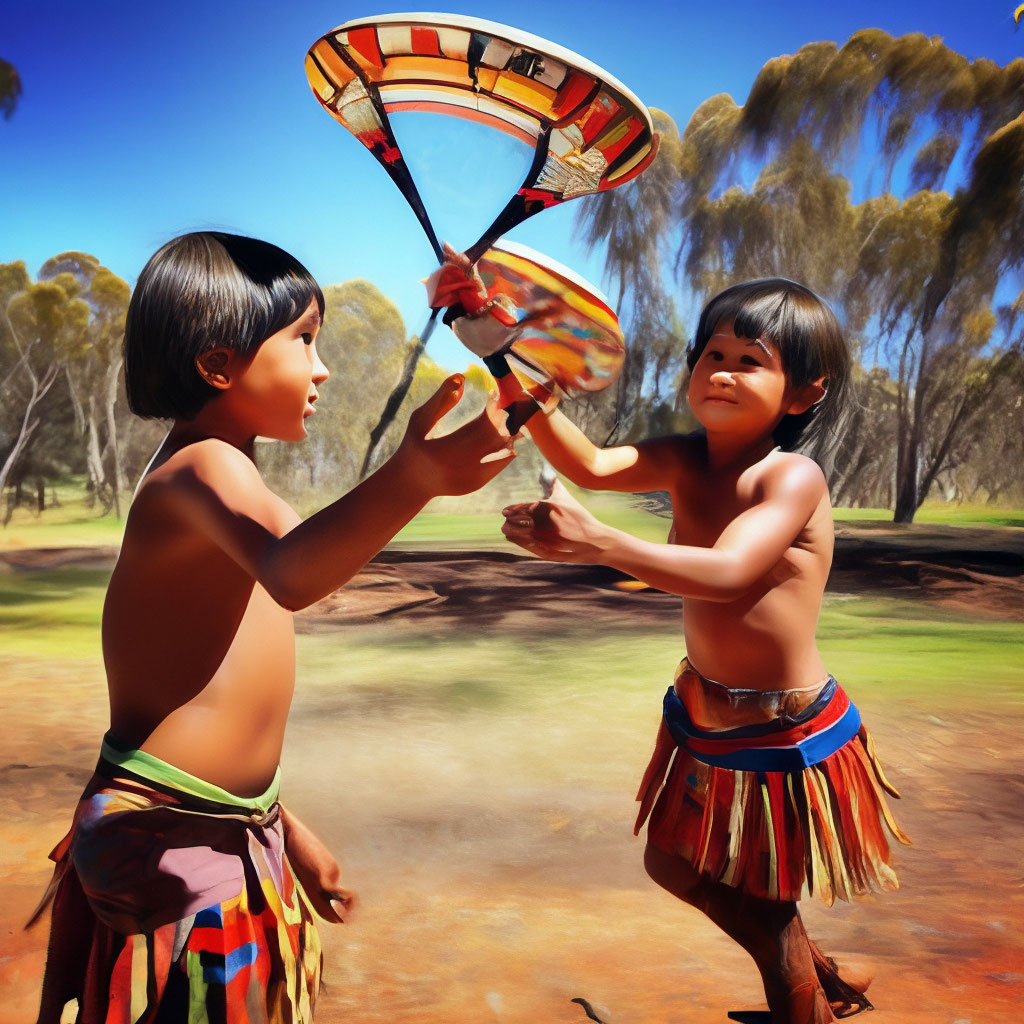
(643, 467)
(317, 870)
(217, 489)
(562, 530)
(647, 466)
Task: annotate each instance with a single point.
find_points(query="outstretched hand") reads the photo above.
(558, 529)
(465, 459)
(318, 872)
(483, 323)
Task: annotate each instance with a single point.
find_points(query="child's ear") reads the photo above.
(807, 395)
(215, 366)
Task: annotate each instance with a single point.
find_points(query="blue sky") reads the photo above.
(140, 121)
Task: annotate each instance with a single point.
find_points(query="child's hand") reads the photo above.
(484, 324)
(465, 459)
(456, 281)
(559, 529)
(317, 871)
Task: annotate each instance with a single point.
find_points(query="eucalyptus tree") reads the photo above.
(42, 329)
(10, 89)
(633, 223)
(96, 378)
(889, 175)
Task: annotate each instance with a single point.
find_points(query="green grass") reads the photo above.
(910, 650)
(894, 648)
(483, 532)
(52, 613)
(938, 513)
(73, 524)
(891, 648)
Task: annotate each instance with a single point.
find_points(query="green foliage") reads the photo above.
(10, 89)
(60, 372)
(764, 189)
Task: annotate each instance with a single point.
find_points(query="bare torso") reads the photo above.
(765, 639)
(200, 661)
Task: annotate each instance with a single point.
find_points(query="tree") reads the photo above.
(766, 189)
(10, 89)
(96, 378)
(633, 222)
(42, 329)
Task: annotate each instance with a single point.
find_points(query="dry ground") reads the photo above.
(492, 895)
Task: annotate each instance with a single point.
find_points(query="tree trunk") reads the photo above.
(906, 486)
(112, 446)
(393, 404)
(28, 422)
(94, 461)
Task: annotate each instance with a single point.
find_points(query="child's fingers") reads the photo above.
(441, 402)
(529, 542)
(525, 531)
(526, 509)
(499, 456)
(343, 903)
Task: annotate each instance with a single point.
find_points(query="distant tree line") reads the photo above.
(64, 416)
(919, 248)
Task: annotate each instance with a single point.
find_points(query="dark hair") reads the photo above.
(199, 291)
(809, 340)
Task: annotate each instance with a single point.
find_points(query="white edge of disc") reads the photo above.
(547, 263)
(513, 35)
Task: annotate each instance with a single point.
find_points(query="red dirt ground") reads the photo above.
(477, 909)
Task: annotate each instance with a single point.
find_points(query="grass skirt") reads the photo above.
(815, 829)
(170, 907)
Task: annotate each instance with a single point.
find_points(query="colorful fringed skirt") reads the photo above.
(777, 793)
(173, 901)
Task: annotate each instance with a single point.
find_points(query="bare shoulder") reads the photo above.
(683, 453)
(796, 484)
(210, 474)
(787, 473)
(210, 460)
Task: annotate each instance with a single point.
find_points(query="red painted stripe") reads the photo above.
(207, 940)
(572, 93)
(635, 128)
(424, 42)
(364, 42)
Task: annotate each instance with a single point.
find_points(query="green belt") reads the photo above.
(138, 762)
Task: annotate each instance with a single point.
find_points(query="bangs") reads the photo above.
(200, 291)
(806, 334)
(265, 289)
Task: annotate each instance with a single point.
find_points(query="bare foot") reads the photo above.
(855, 975)
(844, 985)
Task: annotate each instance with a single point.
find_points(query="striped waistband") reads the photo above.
(781, 745)
(167, 778)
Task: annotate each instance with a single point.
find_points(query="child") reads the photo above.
(774, 789)
(185, 891)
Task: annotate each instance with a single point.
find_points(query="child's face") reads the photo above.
(275, 390)
(738, 385)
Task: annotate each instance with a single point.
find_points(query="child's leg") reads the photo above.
(770, 931)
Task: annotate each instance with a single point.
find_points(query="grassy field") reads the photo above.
(76, 524)
(478, 785)
(903, 648)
